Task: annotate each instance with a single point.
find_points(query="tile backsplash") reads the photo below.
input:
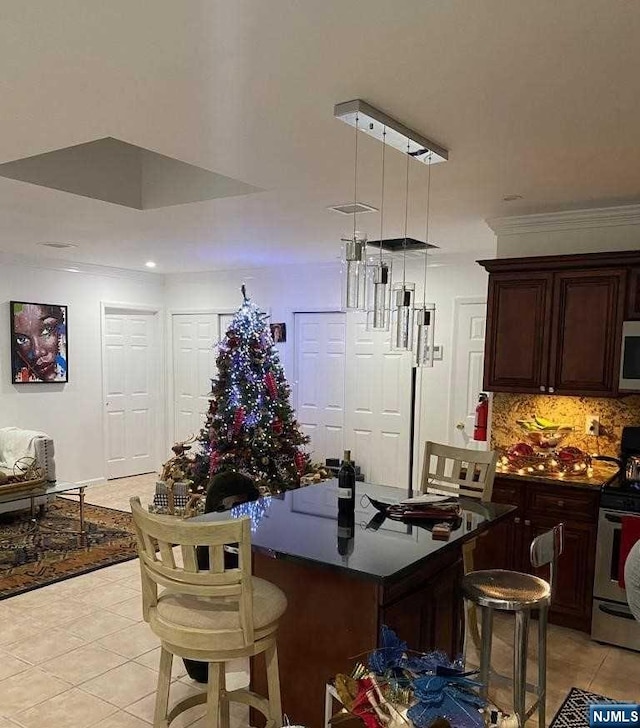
(614, 415)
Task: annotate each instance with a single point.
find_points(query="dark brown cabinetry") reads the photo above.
(540, 506)
(520, 314)
(633, 295)
(554, 324)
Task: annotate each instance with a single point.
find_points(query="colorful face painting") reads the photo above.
(38, 343)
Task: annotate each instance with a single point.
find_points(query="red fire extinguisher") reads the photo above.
(482, 417)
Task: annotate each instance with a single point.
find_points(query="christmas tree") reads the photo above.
(251, 427)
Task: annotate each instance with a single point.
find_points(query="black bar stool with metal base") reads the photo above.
(511, 591)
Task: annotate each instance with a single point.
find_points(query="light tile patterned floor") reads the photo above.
(77, 653)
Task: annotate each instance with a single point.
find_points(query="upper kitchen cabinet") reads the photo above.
(586, 333)
(554, 323)
(518, 332)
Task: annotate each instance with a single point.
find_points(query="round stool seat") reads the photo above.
(507, 590)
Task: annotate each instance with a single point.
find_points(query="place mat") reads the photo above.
(32, 557)
(574, 712)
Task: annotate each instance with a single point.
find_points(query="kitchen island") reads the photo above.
(343, 581)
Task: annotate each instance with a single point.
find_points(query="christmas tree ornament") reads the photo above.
(270, 383)
(238, 421)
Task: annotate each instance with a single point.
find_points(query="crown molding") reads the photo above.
(566, 220)
(73, 268)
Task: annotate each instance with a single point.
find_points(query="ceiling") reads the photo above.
(537, 99)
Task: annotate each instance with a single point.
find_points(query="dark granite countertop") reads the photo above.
(602, 473)
(302, 525)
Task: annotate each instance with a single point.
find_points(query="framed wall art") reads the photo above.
(279, 333)
(38, 343)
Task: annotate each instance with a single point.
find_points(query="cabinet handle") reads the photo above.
(560, 503)
(543, 388)
(517, 520)
(527, 522)
(551, 390)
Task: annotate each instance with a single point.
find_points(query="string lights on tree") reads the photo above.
(250, 426)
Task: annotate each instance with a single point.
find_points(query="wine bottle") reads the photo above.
(346, 485)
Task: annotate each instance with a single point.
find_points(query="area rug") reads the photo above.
(574, 712)
(33, 555)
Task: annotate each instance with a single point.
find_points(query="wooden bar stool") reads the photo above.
(212, 615)
(459, 471)
(511, 591)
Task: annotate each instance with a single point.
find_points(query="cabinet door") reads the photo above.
(633, 295)
(571, 605)
(585, 342)
(500, 548)
(430, 617)
(518, 332)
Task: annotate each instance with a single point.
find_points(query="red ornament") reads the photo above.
(214, 461)
(277, 426)
(300, 461)
(270, 384)
(238, 421)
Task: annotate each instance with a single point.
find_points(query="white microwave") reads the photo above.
(630, 357)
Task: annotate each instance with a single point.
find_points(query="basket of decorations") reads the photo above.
(399, 688)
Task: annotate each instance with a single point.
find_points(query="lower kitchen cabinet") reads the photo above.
(540, 506)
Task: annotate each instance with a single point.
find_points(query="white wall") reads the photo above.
(448, 278)
(71, 413)
(281, 291)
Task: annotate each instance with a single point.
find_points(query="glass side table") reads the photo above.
(38, 490)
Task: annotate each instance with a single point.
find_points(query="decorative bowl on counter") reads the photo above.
(522, 459)
(543, 433)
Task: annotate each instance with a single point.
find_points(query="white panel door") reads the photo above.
(131, 380)
(320, 377)
(378, 394)
(470, 316)
(194, 339)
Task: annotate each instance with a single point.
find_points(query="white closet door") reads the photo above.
(320, 376)
(131, 356)
(470, 318)
(194, 355)
(378, 403)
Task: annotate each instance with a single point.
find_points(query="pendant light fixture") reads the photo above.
(378, 286)
(403, 292)
(426, 313)
(373, 275)
(355, 250)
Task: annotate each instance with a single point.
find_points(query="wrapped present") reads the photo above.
(176, 499)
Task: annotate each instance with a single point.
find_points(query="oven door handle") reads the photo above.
(615, 612)
(613, 519)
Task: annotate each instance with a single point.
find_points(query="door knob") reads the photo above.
(551, 390)
(543, 388)
(460, 426)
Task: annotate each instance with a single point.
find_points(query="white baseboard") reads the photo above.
(92, 481)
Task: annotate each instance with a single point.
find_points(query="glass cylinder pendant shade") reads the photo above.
(355, 272)
(425, 320)
(378, 291)
(402, 316)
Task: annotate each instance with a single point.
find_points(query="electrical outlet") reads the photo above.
(592, 425)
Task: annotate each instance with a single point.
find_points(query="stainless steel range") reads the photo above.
(612, 621)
